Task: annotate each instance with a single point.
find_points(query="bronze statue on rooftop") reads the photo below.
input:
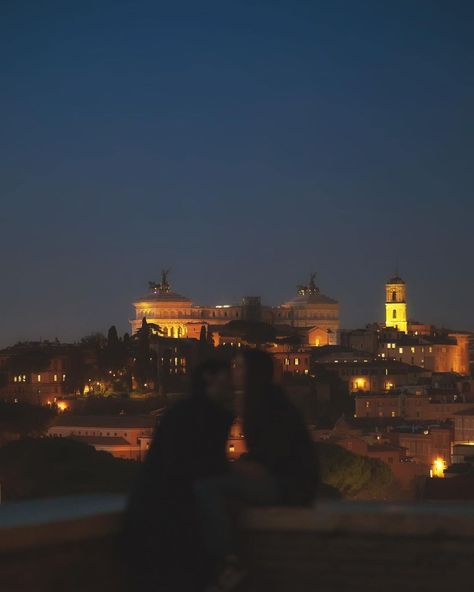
(311, 289)
(163, 287)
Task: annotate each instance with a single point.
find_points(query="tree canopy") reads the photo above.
(43, 467)
(353, 475)
(23, 419)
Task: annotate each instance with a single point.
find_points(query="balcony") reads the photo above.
(71, 544)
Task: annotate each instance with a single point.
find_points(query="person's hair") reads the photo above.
(258, 389)
(202, 372)
(258, 371)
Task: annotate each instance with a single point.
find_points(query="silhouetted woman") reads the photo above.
(277, 439)
(162, 538)
(280, 467)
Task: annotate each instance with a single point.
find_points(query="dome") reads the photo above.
(309, 295)
(162, 293)
(165, 297)
(309, 299)
(396, 280)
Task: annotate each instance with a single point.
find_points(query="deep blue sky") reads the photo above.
(243, 144)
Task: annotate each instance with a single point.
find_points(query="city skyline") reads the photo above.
(244, 145)
(123, 325)
(236, 295)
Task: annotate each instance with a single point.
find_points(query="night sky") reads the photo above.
(242, 144)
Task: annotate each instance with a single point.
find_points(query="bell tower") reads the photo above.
(396, 304)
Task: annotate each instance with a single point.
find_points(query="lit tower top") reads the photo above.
(396, 304)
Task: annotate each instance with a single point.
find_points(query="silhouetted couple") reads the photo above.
(180, 525)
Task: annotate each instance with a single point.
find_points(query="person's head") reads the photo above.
(211, 379)
(252, 376)
(252, 370)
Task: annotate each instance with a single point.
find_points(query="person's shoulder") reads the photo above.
(284, 406)
(281, 398)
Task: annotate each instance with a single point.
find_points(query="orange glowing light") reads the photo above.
(438, 467)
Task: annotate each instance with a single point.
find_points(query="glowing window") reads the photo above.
(297, 361)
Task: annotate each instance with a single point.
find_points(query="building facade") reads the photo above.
(35, 372)
(312, 313)
(448, 352)
(122, 436)
(429, 446)
(368, 374)
(408, 407)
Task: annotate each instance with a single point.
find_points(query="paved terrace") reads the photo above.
(64, 544)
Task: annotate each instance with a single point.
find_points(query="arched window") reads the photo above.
(394, 296)
(172, 332)
(180, 332)
(394, 314)
(165, 331)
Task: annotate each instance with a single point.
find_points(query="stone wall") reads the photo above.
(333, 548)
